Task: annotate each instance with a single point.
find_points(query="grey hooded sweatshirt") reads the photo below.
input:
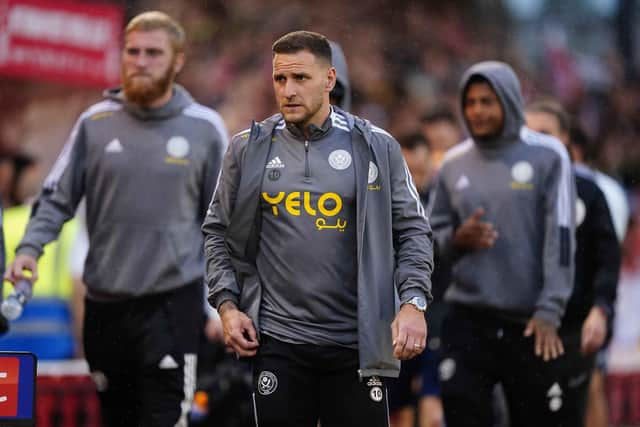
(147, 175)
(524, 182)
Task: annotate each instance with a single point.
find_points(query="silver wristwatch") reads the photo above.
(419, 303)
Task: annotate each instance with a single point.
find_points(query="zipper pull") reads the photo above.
(307, 169)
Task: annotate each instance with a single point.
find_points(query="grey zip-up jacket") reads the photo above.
(148, 176)
(393, 236)
(524, 182)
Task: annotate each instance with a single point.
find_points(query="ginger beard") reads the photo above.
(142, 88)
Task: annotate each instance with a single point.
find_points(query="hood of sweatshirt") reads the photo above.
(506, 85)
(342, 74)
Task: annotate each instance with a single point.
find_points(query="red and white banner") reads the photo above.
(72, 42)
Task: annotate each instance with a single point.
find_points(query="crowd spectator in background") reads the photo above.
(147, 159)
(407, 56)
(623, 379)
(588, 318)
(512, 255)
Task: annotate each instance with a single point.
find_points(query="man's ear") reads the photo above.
(179, 62)
(331, 79)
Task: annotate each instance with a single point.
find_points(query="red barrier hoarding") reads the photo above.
(71, 42)
(9, 372)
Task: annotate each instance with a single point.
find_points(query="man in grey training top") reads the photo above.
(503, 211)
(146, 159)
(314, 236)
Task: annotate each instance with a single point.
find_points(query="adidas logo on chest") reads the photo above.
(275, 163)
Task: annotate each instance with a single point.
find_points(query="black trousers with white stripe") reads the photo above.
(142, 356)
(297, 385)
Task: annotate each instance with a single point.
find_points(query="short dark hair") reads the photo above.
(438, 114)
(553, 107)
(579, 137)
(411, 141)
(476, 79)
(297, 41)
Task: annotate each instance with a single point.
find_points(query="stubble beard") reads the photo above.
(306, 116)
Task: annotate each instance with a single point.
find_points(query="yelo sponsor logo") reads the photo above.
(296, 202)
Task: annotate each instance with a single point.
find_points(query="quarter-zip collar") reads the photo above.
(315, 132)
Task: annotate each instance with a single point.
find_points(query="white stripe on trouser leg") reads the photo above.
(255, 409)
(386, 398)
(189, 381)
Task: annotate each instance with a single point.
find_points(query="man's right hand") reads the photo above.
(238, 329)
(474, 233)
(16, 270)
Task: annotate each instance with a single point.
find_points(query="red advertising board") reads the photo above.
(72, 42)
(9, 375)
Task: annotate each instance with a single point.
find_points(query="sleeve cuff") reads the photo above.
(606, 308)
(548, 316)
(28, 250)
(407, 294)
(221, 297)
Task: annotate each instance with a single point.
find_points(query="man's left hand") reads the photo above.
(548, 344)
(409, 332)
(594, 331)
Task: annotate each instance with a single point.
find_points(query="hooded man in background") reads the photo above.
(503, 212)
(341, 93)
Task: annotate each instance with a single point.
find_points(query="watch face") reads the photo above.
(419, 303)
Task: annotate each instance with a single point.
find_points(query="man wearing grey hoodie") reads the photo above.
(503, 211)
(146, 159)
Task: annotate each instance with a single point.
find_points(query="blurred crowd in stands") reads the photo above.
(405, 61)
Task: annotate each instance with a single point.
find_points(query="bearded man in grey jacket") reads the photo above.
(503, 211)
(146, 159)
(314, 237)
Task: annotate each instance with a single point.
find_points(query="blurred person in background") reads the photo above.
(597, 414)
(442, 133)
(403, 391)
(503, 210)
(305, 285)
(415, 150)
(147, 159)
(46, 327)
(340, 95)
(587, 321)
